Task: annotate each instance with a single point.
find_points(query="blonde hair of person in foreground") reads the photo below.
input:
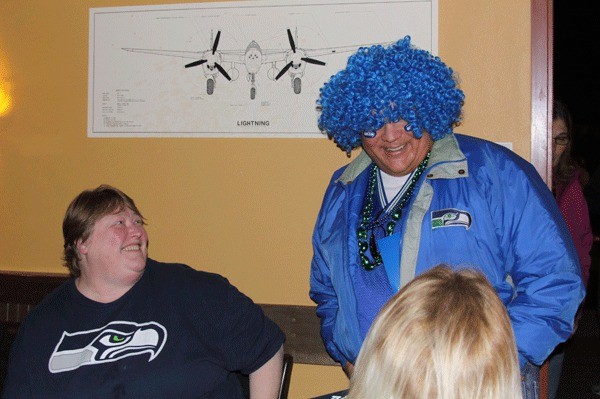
(445, 335)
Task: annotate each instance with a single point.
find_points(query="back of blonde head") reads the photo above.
(445, 335)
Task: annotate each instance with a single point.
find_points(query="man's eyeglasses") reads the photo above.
(561, 140)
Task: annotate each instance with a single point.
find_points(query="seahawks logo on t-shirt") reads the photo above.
(116, 340)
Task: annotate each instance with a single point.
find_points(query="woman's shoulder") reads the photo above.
(574, 185)
(50, 310)
(185, 277)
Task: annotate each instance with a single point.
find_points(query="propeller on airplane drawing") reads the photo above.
(296, 57)
(212, 59)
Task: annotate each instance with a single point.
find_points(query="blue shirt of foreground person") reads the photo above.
(419, 195)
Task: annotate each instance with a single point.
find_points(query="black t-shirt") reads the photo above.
(178, 333)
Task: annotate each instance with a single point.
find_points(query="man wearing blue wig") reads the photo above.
(419, 195)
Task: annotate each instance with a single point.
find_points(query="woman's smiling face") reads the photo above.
(117, 248)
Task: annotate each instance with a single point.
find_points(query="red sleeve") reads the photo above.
(574, 209)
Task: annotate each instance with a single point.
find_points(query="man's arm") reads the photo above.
(544, 267)
(266, 381)
(323, 294)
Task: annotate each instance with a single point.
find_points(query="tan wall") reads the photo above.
(243, 208)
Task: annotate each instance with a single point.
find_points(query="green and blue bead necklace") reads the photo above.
(369, 222)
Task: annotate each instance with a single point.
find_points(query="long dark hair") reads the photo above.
(566, 166)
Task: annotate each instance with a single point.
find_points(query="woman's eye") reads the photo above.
(408, 127)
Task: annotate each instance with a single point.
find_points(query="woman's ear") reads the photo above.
(81, 247)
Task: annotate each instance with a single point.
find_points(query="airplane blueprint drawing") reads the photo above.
(232, 69)
(252, 58)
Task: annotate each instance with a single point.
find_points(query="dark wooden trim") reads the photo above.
(21, 291)
(28, 288)
(303, 332)
(542, 54)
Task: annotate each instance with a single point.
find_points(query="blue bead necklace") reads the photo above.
(369, 222)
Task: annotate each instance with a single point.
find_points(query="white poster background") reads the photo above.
(139, 85)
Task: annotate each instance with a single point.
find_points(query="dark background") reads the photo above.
(577, 75)
(577, 84)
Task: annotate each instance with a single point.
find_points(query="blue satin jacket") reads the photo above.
(480, 205)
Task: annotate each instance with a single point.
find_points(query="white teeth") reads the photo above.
(132, 248)
(396, 148)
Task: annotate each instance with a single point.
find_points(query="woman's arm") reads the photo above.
(266, 381)
(574, 209)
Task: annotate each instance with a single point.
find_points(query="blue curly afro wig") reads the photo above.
(385, 84)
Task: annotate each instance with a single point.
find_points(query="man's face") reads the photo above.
(117, 248)
(395, 150)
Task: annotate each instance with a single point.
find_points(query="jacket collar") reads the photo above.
(446, 161)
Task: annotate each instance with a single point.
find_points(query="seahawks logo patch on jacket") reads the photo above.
(110, 343)
(450, 217)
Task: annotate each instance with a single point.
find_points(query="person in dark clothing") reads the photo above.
(125, 325)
